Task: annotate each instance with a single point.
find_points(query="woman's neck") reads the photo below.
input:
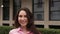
(24, 28)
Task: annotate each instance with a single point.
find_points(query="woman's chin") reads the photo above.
(23, 25)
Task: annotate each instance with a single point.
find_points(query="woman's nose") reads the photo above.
(22, 18)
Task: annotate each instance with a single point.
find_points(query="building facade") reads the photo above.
(46, 12)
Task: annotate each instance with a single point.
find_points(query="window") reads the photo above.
(16, 6)
(38, 10)
(54, 10)
(54, 26)
(6, 4)
(5, 24)
(39, 26)
(51, 3)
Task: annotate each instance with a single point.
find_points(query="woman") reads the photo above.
(24, 23)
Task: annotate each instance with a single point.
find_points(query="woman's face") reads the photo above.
(22, 18)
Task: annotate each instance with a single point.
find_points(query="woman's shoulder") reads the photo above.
(14, 30)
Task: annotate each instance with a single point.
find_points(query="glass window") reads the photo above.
(54, 26)
(6, 4)
(54, 10)
(38, 10)
(39, 26)
(16, 6)
(5, 24)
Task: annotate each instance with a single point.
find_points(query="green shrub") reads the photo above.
(6, 29)
(49, 31)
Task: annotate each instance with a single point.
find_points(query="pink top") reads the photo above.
(18, 31)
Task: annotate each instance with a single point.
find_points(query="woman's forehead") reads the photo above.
(22, 12)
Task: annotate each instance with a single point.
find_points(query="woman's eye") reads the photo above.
(25, 16)
(20, 16)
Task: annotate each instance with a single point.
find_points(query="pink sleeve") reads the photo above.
(10, 32)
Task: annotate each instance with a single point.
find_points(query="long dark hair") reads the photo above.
(30, 26)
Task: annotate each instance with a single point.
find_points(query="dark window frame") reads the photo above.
(5, 24)
(33, 10)
(6, 6)
(15, 12)
(50, 12)
(54, 26)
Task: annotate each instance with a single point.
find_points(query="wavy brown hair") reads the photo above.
(30, 26)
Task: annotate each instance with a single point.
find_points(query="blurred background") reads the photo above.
(46, 12)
